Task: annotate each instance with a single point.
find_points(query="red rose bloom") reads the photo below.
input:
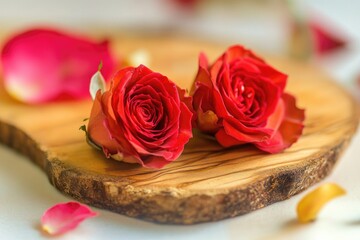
(143, 118)
(240, 99)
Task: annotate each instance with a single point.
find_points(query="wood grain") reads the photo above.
(207, 183)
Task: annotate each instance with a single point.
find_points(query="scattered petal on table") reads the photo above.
(64, 217)
(310, 205)
(326, 39)
(43, 65)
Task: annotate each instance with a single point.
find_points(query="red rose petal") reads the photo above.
(156, 162)
(97, 126)
(203, 73)
(64, 217)
(238, 51)
(104, 132)
(240, 134)
(226, 140)
(275, 120)
(290, 128)
(325, 38)
(185, 127)
(42, 65)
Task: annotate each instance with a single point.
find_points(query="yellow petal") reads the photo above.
(310, 205)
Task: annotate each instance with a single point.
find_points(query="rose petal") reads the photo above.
(325, 38)
(289, 130)
(156, 162)
(42, 65)
(97, 82)
(104, 132)
(97, 126)
(233, 134)
(311, 204)
(238, 51)
(64, 217)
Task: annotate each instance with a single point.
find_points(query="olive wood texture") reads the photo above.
(207, 183)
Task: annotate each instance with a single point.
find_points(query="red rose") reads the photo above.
(240, 99)
(143, 118)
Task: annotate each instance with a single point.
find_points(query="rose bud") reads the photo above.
(143, 118)
(43, 65)
(240, 99)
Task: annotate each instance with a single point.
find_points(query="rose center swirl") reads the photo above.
(146, 111)
(243, 93)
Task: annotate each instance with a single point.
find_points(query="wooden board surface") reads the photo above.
(207, 183)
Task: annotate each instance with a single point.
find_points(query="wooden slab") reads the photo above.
(207, 183)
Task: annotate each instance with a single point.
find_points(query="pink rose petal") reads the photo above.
(42, 65)
(64, 217)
